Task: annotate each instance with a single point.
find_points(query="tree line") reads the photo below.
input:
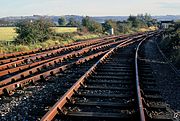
(40, 30)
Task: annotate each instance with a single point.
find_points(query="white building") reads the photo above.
(166, 24)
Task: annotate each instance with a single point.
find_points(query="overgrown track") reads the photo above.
(25, 71)
(5, 58)
(13, 62)
(28, 53)
(117, 87)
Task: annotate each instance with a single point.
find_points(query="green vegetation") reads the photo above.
(9, 33)
(137, 23)
(62, 21)
(91, 25)
(33, 31)
(171, 44)
(11, 47)
(73, 22)
(40, 33)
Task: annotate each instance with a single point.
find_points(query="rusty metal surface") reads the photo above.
(138, 88)
(53, 62)
(63, 100)
(45, 74)
(11, 83)
(15, 69)
(13, 64)
(16, 54)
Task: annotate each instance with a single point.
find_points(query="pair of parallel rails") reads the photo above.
(20, 69)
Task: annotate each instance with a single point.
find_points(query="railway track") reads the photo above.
(28, 53)
(102, 79)
(29, 77)
(5, 58)
(119, 86)
(23, 72)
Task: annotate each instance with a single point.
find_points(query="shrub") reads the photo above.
(33, 31)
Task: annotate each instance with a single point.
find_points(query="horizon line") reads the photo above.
(85, 15)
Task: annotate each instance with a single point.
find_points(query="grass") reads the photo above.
(9, 48)
(8, 33)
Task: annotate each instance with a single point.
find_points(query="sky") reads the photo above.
(88, 7)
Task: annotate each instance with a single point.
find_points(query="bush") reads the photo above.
(91, 25)
(33, 31)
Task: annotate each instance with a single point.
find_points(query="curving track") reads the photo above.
(107, 80)
(118, 87)
(22, 71)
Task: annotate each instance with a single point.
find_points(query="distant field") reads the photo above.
(8, 33)
(65, 29)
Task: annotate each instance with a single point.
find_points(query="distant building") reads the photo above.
(166, 24)
(111, 31)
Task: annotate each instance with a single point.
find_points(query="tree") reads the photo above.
(62, 21)
(73, 22)
(86, 21)
(3, 23)
(123, 27)
(33, 31)
(137, 21)
(91, 25)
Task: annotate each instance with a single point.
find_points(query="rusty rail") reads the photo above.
(12, 64)
(12, 70)
(10, 87)
(14, 85)
(54, 61)
(16, 54)
(64, 99)
(46, 52)
(20, 60)
(138, 89)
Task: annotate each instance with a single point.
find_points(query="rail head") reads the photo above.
(138, 89)
(63, 100)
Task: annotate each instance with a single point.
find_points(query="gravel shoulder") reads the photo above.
(168, 82)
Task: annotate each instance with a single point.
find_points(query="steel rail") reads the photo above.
(14, 63)
(10, 56)
(18, 68)
(41, 53)
(138, 88)
(64, 99)
(15, 54)
(39, 76)
(7, 89)
(52, 62)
